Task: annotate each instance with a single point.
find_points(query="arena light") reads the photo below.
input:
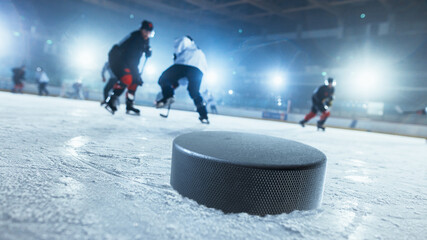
(211, 78)
(5, 41)
(368, 73)
(369, 77)
(277, 80)
(85, 59)
(150, 69)
(85, 54)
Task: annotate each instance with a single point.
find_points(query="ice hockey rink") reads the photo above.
(71, 170)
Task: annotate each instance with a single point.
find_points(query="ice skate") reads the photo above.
(111, 109)
(133, 111)
(203, 114)
(204, 120)
(320, 127)
(130, 109)
(111, 104)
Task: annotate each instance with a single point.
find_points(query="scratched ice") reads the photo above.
(70, 170)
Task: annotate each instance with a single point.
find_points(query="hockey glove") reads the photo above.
(331, 100)
(138, 81)
(148, 52)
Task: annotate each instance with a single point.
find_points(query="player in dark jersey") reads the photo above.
(322, 99)
(18, 79)
(124, 60)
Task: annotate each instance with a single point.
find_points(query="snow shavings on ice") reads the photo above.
(70, 170)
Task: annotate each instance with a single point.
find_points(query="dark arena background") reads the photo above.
(69, 169)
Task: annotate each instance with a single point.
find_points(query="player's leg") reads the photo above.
(310, 115)
(130, 98)
(124, 80)
(323, 118)
(168, 81)
(45, 89)
(195, 76)
(325, 114)
(109, 86)
(20, 87)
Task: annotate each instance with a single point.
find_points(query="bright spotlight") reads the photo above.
(231, 92)
(277, 80)
(211, 78)
(85, 59)
(150, 69)
(369, 77)
(86, 54)
(5, 41)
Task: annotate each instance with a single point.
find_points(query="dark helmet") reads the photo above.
(147, 25)
(330, 81)
(188, 36)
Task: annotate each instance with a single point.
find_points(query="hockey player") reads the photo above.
(190, 63)
(322, 99)
(422, 111)
(42, 80)
(77, 89)
(210, 101)
(111, 81)
(124, 59)
(18, 77)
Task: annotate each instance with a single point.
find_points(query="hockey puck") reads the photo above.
(241, 172)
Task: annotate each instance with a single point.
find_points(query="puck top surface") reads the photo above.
(250, 150)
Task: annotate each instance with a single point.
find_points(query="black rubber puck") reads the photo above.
(241, 172)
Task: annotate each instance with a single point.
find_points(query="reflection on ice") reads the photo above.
(78, 113)
(70, 186)
(108, 177)
(77, 142)
(361, 179)
(357, 162)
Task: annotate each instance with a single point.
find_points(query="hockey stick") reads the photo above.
(400, 111)
(143, 66)
(167, 114)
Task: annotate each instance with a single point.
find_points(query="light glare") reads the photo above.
(85, 59)
(211, 78)
(150, 69)
(5, 41)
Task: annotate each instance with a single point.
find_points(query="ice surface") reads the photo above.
(69, 169)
